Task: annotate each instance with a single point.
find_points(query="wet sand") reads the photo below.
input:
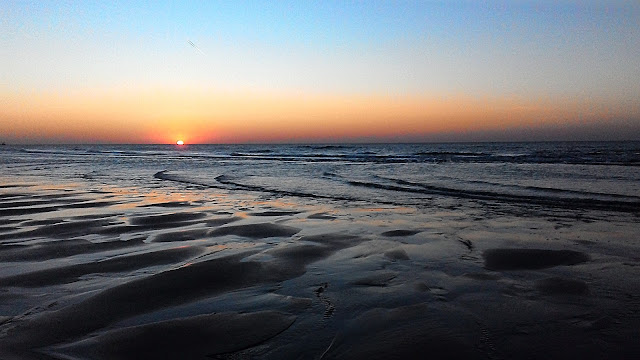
(106, 274)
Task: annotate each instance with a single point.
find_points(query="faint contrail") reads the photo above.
(195, 46)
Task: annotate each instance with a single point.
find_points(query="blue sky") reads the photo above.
(526, 48)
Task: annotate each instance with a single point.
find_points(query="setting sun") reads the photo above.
(179, 142)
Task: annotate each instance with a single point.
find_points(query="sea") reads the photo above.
(583, 175)
(325, 251)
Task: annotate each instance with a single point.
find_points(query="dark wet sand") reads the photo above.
(71, 273)
(91, 275)
(274, 213)
(168, 288)
(407, 332)
(521, 259)
(196, 337)
(60, 249)
(321, 216)
(400, 233)
(560, 286)
(256, 231)
(167, 220)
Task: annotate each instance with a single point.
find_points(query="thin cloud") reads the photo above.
(195, 46)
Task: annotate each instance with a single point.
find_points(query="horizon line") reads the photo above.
(329, 143)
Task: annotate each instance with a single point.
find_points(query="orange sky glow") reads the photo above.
(164, 117)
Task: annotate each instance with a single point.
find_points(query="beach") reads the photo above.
(491, 251)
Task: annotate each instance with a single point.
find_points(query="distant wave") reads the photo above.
(327, 147)
(449, 153)
(252, 153)
(47, 151)
(78, 151)
(435, 157)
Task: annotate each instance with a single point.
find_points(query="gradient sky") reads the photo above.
(318, 71)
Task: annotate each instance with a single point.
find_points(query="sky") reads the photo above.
(318, 71)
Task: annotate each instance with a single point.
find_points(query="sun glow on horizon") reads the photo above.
(201, 117)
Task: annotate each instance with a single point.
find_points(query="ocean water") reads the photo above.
(349, 251)
(573, 175)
